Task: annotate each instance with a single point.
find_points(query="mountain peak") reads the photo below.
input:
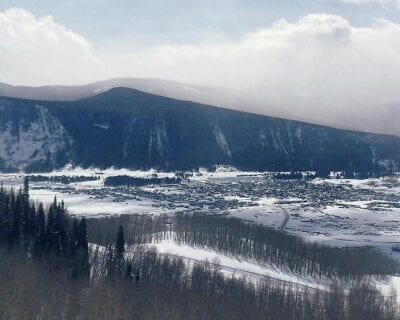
(124, 96)
(128, 128)
(119, 92)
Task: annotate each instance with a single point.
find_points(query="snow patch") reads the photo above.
(159, 141)
(102, 126)
(24, 143)
(235, 266)
(221, 140)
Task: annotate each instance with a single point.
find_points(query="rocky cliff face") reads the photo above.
(31, 138)
(132, 129)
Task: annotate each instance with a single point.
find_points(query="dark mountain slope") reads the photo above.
(133, 129)
(256, 100)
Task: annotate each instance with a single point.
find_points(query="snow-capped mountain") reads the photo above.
(256, 100)
(132, 129)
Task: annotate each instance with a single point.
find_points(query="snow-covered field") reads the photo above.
(233, 266)
(332, 211)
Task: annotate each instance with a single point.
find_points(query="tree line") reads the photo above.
(48, 235)
(116, 181)
(249, 241)
(48, 270)
(62, 179)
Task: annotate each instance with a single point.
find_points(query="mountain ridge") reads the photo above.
(255, 100)
(116, 89)
(129, 128)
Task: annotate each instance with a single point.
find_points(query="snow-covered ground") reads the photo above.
(233, 266)
(333, 211)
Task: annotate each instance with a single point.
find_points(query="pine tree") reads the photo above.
(40, 232)
(120, 244)
(82, 235)
(74, 239)
(51, 235)
(32, 221)
(61, 226)
(110, 266)
(26, 187)
(51, 238)
(128, 272)
(119, 249)
(82, 255)
(5, 218)
(15, 232)
(26, 212)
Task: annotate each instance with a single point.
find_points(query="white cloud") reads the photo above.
(320, 68)
(39, 50)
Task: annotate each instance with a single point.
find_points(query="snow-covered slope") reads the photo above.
(257, 100)
(131, 129)
(234, 266)
(38, 139)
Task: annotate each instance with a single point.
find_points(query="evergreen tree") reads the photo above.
(26, 188)
(40, 234)
(119, 249)
(120, 245)
(61, 230)
(52, 239)
(51, 236)
(73, 242)
(32, 221)
(15, 232)
(110, 265)
(82, 250)
(82, 235)
(5, 218)
(128, 272)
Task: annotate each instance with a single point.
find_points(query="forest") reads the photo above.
(62, 179)
(115, 181)
(248, 241)
(54, 266)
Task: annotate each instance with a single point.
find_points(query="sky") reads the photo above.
(126, 31)
(312, 56)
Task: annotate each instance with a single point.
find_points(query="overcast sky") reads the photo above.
(147, 37)
(310, 54)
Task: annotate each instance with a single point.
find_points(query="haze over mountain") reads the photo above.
(133, 129)
(329, 62)
(249, 100)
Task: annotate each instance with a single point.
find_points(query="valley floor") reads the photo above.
(337, 212)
